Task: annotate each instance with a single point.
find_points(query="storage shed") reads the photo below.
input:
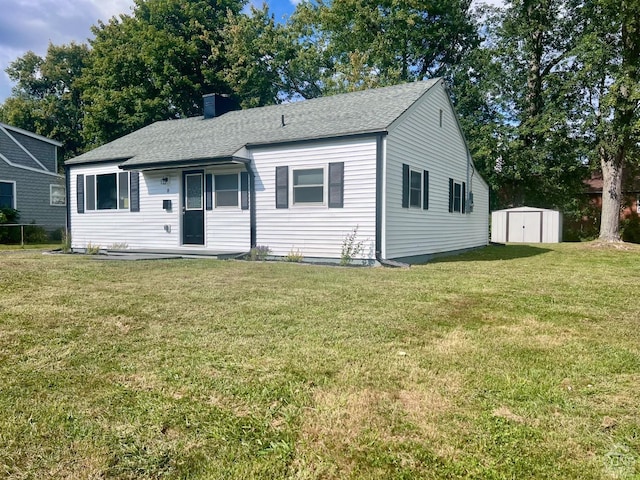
(526, 225)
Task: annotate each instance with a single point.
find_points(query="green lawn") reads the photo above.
(510, 362)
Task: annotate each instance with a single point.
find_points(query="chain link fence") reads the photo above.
(30, 233)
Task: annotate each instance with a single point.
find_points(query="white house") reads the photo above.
(298, 177)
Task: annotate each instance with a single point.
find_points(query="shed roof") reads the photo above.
(199, 139)
(525, 209)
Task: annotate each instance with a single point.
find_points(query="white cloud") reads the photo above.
(33, 24)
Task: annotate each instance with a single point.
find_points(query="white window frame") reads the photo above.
(638, 203)
(95, 193)
(215, 191)
(324, 186)
(459, 185)
(420, 197)
(15, 192)
(53, 187)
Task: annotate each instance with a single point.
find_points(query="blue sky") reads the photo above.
(33, 24)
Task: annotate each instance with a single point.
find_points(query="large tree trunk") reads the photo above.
(611, 197)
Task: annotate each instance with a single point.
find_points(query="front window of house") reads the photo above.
(308, 185)
(109, 191)
(226, 190)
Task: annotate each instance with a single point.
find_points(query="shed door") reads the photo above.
(193, 208)
(524, 227)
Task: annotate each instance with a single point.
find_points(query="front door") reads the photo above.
(193, 208)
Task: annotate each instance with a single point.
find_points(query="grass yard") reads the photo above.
(510, 362)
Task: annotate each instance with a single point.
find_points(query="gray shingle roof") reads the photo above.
(199, 139)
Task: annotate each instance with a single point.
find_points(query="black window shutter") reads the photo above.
(451, 194)
(80, 193)
(464, 197)
(134, 185)
(405, 185)
(282, 187)
(90, 192)
(208, 188)
(425, 189)
(244, 190)
(336, 185)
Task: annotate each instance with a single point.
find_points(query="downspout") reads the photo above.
(469, 194)
(252, 204)
(67, 187)
(380, 205)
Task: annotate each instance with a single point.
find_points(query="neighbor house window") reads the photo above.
(7, 195)
(57, 195)
(226, 187)
(109, 191)
(638, 204)
(308, 185)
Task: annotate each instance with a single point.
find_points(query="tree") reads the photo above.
(540, 157)
(154, 65)
(607, 62)
(47, 97)
(372, 43)
(270, 62)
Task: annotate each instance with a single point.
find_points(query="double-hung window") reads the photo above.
(57, 195)
(457, 196)
(319, 186)
(308, 185)
(415, 188)
(7, 195)
(226, 190)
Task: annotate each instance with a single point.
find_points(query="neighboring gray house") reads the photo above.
(29, 181)
(298, 177)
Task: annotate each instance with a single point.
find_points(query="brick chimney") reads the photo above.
(215, 104)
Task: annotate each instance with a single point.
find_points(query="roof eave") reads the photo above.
(31, 134)
(363, 133)
(190, 163)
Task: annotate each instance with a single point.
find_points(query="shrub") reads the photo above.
(351, 247)
(294, 255)
(56, 235)
(9, 234)
(92, 249)
(259, 252)
(66, 242)
(631, 228)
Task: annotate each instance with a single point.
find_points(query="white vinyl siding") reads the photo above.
(153, 227)
(418, 140)
(316, 230)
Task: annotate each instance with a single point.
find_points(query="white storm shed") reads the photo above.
(526, 225)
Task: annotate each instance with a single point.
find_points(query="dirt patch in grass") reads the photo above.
(342, 423)
(625, 246)
(455, 342)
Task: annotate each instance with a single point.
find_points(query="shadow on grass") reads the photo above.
(495, 252)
